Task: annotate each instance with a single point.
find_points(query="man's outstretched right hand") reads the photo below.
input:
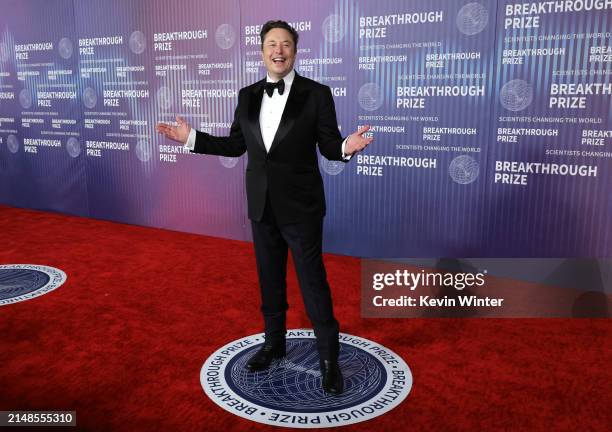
(178, 133)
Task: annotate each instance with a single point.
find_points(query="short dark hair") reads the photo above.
(272, 24)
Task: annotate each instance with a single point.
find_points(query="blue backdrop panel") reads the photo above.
(198, 80)
(549, 178)
(40, 119)
(491, 118)
(152, 62)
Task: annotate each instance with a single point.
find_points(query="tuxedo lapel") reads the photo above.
(254, 110)
(291, 112)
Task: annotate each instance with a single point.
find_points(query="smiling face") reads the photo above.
(278, 53)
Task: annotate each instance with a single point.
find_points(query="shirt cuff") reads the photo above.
(344, 155)
(190, 144)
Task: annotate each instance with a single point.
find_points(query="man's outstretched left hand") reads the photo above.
(357, 142)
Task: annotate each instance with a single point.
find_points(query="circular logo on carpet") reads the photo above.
(20, 282)
(289, 393)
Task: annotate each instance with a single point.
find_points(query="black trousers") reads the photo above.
(272, 242)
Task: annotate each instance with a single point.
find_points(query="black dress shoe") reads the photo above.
(331, 375)
(262, 358)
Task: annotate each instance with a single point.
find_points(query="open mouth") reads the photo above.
(278, 60)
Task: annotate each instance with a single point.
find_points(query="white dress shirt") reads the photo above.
(269, 116)
(272, 109)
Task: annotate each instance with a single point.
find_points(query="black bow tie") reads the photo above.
(270, 86)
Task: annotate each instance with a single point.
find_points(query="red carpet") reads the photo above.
(123, 340)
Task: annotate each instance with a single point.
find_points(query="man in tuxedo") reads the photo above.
(279, 121)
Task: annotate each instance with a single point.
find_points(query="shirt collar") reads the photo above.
(287, 78)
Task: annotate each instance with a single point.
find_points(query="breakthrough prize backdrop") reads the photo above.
(491, 119)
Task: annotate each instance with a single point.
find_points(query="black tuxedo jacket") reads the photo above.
(289, 172)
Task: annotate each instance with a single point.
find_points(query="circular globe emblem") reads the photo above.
(331, 167)
(228, 162)
(138, 42)
(472, 18)
(12, 143)
(20, 282)
(143, 151)
(90, 98)
(65, 48)
(370, 96)
(333, 28)
(463, 169)
(164, 98)
(225, 36)
(73, 147)
(289, 393)
(516, 95)
(25, 98)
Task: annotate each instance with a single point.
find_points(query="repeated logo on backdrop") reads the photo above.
(479, 110)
